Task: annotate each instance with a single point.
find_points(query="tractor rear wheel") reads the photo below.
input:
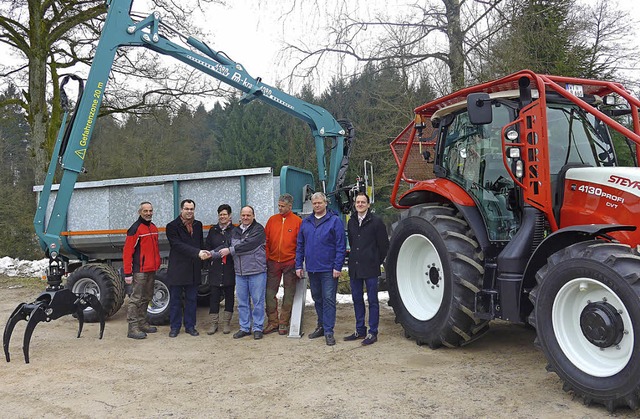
(434, 271)
(587, 317)
(104, 282)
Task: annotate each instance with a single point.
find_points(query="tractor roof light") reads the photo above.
(512, 135)
(609, 100)
(513, 152)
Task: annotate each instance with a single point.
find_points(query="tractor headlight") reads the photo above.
(519, 172)
(512, 135)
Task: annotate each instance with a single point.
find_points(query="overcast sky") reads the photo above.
(254, 32)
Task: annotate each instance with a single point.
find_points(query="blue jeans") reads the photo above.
(251, 287)
(323, 291)
(176, 309)
(357, 292)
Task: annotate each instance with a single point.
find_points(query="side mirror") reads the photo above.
(479, 108)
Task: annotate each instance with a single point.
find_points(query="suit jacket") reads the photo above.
(184, 263)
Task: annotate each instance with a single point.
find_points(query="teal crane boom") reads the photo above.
(120, 29)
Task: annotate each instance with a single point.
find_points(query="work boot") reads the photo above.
(215, 317)
(317, 333)
(147, 328)
(135, 332)
(226, 324)
(270, 329)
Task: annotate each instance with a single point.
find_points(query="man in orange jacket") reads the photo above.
(282, 232)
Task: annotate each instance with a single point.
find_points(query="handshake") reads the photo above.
(208, 254)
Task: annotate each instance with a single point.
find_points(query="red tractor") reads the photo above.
(521, 199)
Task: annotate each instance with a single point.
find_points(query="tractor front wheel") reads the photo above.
(587, 317)
(434, 271)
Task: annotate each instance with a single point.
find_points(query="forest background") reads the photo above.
(160, 118)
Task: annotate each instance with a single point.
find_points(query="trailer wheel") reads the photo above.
(587, 319)
(204, 289)
(434, 271)
(102, 281)
(158, 310)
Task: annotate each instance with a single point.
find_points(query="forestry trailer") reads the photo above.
(91, 288)
(517, 207)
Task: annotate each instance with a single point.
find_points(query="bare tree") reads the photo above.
(564, 37)
(612, 46)
(418, 37)
(55, 37)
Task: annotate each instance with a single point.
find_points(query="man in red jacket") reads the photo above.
(282, 232)
(141, 257)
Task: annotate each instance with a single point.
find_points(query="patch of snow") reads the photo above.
(28, 268)
(383, 297)
(35, 268)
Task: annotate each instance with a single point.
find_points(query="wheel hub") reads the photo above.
(601, 324)
(434, 275)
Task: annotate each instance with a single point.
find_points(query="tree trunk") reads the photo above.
(38, 110)
(456, 44)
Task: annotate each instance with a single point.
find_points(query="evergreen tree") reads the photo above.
(17, 200)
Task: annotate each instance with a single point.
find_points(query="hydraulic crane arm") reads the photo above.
(121, 30)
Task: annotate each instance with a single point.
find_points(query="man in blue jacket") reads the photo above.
(321, 246)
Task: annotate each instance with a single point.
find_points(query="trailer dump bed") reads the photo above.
(101, 212)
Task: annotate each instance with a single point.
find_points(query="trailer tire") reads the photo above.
(158, 310)
(434, 271)
(587, 320)
(204, 289)
(104, 282)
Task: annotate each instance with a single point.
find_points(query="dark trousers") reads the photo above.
(357, 293)
(229, 298)
(177, 309)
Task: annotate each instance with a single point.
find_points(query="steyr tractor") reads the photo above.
(518, 206)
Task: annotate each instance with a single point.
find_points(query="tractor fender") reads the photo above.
(566, 237)
(446, 192)
(436, 190)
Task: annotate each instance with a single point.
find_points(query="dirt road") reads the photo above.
(499, 376)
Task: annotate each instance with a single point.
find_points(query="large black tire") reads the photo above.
(104, 282)
(158, 310)
(587, 319)
(204, 289)
(434, 271)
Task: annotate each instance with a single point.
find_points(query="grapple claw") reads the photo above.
(80, 317)
(50, 305)
(17, 315)
(37, 315)
(86, 301)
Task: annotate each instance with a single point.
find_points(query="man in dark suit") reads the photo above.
(369, 243)
(184, 271)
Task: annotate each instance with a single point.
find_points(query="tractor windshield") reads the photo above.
(575, 139)
(472, 158)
